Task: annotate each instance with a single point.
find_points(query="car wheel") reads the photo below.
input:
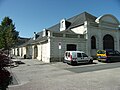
(108, 61)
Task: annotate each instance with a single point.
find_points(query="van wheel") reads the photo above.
(91, 61)
(73, 63)
(64, 61)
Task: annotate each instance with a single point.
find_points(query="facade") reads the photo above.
(82, 32)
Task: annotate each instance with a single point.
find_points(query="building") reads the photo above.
(81, 32)
(16, 50)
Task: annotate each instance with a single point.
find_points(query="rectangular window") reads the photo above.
(84, 55)
(79, 55)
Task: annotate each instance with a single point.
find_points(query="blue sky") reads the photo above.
(34, 15)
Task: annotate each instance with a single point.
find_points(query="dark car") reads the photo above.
(108, 55)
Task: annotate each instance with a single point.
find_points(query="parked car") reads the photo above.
(108, 55)
(75, 57)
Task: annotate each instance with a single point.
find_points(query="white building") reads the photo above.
(82, 32)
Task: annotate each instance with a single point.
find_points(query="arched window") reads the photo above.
(93, 42)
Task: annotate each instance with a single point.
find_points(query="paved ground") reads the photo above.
(36, 75)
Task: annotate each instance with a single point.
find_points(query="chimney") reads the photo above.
(34, 38)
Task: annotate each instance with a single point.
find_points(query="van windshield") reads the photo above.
(84, 55)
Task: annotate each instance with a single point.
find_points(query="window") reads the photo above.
(93, 42)
(71, 47)
(84, 55)
(79, 55)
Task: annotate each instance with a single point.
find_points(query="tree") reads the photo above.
(1, 38)
(8, 34)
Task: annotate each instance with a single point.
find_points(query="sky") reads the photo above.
(31, 16)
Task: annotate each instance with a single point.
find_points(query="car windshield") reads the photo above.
(101, 52)
(113, 53)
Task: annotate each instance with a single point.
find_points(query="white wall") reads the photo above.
(39, 52)
(16, 51)
(78, 30)
(45, 52)
(12, 51)
(24, 51)
(19, 51)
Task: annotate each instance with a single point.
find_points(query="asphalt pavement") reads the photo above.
(36, 75)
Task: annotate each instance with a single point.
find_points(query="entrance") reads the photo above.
(35, 52)
(71, 47)
(108, 42)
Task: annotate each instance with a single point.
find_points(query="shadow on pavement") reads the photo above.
(94, 68)
(19, 62)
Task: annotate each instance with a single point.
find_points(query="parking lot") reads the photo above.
(36, 75)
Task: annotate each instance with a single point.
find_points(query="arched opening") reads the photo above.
(17, 51)
(35, 52)
(21, 51)
(108, 42)
(93, 42)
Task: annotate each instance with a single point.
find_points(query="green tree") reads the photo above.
(8, 34)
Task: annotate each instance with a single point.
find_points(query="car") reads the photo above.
(75, 57)
(108, 55)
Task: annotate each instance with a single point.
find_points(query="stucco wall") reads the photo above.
(99, 33)
(57, 54)
(39, 52)
(44, 52)
(24, 51)
(20, 51)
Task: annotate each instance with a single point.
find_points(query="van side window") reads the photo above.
(66, 54)
(84, 55)
(79, 55)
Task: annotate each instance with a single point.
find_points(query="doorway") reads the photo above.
(71, 47)
(35, 51)
(108, 42)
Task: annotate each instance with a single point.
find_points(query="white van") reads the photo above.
(75, 57)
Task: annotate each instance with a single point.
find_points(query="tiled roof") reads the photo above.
(27, 43)
(80, 19)
(21, 41)
(73, 22)
(40, 39)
